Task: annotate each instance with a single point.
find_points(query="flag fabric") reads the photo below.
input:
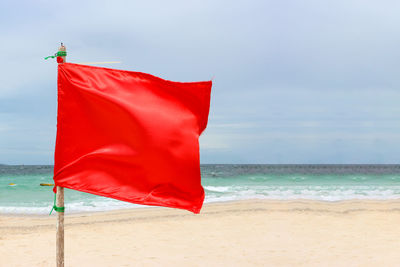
(130, 136)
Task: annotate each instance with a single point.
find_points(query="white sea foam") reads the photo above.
(222, 194)
(80, 202)
(24, 210)
(73, 207)
(324, 193)
(218, 188)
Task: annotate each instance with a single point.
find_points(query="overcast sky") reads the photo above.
(293, 81)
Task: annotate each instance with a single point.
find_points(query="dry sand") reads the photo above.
(246, 233)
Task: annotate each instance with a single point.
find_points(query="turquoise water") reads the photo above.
(221, 183)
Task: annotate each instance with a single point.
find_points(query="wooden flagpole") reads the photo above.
(60, 203)
(60, 228)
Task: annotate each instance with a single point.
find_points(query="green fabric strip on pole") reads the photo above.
(58, 209)
(58, 54)
(49, 57)
(61, 54)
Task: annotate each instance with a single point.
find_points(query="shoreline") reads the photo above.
(265, 201)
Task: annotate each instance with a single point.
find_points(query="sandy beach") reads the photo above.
(245, 233)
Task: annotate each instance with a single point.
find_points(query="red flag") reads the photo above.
(130, 136)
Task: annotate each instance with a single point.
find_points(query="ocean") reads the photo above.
(21, 193)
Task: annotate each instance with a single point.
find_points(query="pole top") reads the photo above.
(62, 47)
(62, 53)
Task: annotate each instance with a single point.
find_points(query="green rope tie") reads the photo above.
(58, 209)
(58, 54)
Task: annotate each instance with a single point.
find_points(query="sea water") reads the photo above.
(21, 193)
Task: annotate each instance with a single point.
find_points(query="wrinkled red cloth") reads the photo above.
(130, 136)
